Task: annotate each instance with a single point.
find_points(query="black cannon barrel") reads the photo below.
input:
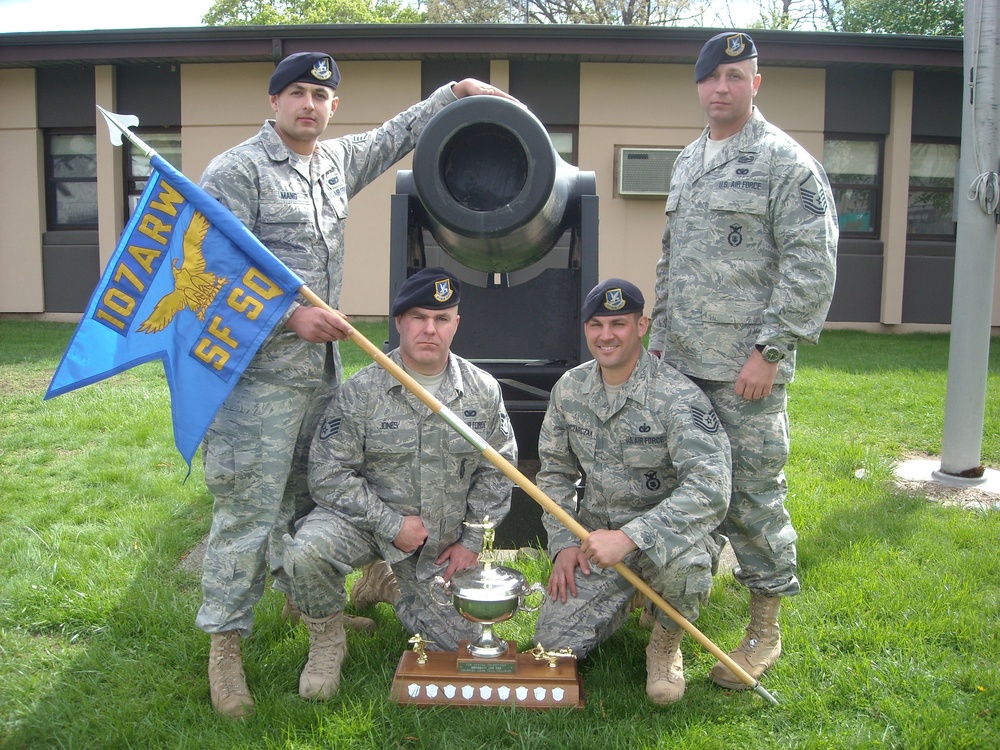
(497, 195)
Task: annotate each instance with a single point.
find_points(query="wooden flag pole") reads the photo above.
(536, 494)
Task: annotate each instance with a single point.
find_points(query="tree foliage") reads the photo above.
(928, 17)
(281, 12)
(468, 11)
(925, 17)
(611, 12)
(790, 15)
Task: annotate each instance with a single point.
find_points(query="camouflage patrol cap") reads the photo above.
(727, 47)
(308, 67)
(430, 288)
(612, 297)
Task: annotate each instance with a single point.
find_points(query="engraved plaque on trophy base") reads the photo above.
(503, 664)
(448, 678)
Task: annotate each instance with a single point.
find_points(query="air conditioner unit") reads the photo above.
(645, 171)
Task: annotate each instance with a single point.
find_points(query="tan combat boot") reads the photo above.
(226, 681)
(646, 618)
(377, 584)
(664, 666)
(320, 676)
(291, 614)
(760, 647)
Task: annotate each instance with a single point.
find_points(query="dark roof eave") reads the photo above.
(418, 41)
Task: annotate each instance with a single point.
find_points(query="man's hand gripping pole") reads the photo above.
(536, 494)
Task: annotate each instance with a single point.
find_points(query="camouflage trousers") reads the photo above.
(254, 456)
(757, 524)
(602, 601)
(326, 548)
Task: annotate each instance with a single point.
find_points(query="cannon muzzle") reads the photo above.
(496, 194)
(490, 200)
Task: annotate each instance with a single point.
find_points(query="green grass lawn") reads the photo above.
(894, 641)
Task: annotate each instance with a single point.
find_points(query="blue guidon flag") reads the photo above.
(190, 285)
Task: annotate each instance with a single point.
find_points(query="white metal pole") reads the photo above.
(975, 248)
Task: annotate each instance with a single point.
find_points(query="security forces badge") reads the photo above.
(735, 45)
(321, 70)
(443, 290)
(614, 299)
(652, 481)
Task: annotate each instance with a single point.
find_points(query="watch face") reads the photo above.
(772, 354)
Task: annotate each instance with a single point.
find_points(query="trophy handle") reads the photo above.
(443, 585)
(536, 588)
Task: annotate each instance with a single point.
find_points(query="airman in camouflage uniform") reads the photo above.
(393, 480)
(747, 274)
(292, 191)
(657, 469)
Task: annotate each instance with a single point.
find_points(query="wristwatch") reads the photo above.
(770, 353)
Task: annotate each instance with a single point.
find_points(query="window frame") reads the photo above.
(134, 184)
(877, 187)
(574, 132)
(928, 237)
(52, 182)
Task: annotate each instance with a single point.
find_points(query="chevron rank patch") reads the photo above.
(330, 428)
(706, 420)
(813, 195)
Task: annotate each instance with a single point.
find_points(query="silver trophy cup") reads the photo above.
(487, 594)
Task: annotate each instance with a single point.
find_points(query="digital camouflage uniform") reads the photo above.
(256, 449)
(657, 466)
(381, 454)
(749, 257)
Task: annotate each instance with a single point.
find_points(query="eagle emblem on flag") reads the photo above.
(195, 288)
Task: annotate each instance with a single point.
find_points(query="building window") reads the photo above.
(931, 205)
(564, 142)
(854, 166)
(72, 180)
(167, 143)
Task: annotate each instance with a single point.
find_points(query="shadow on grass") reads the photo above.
(137, 678)
(863, 666)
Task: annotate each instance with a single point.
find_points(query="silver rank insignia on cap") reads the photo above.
(321, 70)
(614, 299)
(735, 45)
(443, 290)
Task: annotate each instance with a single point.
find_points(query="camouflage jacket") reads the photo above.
(300, 212)
(749, 254)
(380, 453)
(657, 464)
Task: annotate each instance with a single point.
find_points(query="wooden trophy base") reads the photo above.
(449, 678)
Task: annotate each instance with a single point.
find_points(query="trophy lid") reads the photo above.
(488, 583)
